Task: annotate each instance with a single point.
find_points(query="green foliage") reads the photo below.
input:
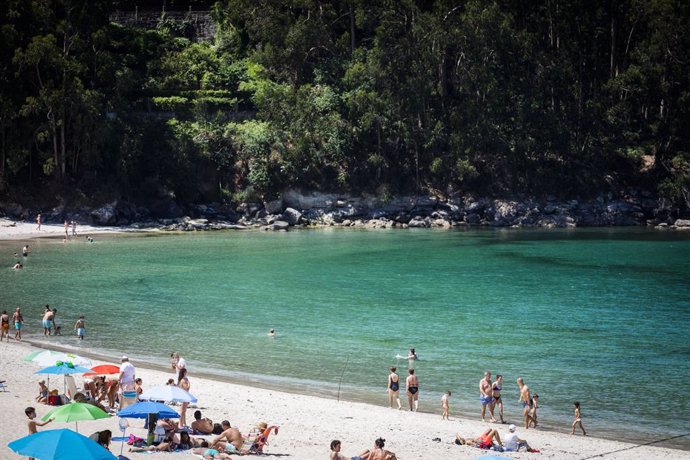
(493, 96)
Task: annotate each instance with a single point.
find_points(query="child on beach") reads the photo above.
(31, 413)
(80, 327)
(42, 392)
(444, 405)
(578, 419)
(533, 412)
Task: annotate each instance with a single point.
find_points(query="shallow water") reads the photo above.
(600, 316)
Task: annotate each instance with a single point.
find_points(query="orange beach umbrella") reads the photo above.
(104, 369)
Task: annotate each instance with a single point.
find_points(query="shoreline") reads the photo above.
(308, 423)
(324, 395)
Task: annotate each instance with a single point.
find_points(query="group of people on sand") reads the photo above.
(17, 321)
(378, 452)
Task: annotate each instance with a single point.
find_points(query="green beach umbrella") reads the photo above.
(75, 412)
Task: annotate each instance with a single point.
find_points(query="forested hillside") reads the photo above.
(504, 97)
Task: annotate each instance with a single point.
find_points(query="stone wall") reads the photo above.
(201, 25)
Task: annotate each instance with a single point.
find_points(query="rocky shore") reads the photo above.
(306, 209)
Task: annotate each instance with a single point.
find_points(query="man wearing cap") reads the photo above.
(512, 442)
(126, 377)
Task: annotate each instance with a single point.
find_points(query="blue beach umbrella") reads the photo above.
(144, 408)
(63, 368)
(168, 393)
(60, 445)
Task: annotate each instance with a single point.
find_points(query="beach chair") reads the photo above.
(254, 443)
(3, 385)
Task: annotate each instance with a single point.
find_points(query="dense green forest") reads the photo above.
(503, 97)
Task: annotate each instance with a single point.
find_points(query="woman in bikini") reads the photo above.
(496, 389)
(393, 388)
(5, 325)
(483, 441)
(183, 382)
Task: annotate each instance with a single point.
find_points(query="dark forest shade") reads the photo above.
(502, 98)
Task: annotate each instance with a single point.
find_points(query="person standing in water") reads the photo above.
(525, 401)
(496, 394)
(48, 316)
(80, 327)
(485, 395)
(411, 358)
(412, 384)
(394, 388)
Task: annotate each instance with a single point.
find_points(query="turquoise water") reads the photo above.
(601, 316)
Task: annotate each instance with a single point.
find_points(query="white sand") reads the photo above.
(307, 424)
(11, 229)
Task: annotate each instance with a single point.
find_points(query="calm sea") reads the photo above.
(600, 316)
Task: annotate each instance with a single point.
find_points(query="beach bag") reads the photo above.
(54, 400)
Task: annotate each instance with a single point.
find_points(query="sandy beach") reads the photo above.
(11, 229)
(307, 423)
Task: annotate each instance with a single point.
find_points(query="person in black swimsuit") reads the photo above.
(412, 390)
(393, 388)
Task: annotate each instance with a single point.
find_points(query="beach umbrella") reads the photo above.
(48, 358)
(104, 369)
(60, 445)
(62, 368)
(75, 412)
(168, 393)
(144, 408)
(30, 357)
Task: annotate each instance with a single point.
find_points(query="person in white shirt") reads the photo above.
(126, 377)
(177, 362)
(512, 442)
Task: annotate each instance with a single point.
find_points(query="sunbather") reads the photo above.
(210, 454)
(201, 425)
(483, 441)
(166, 445)
(378, 452)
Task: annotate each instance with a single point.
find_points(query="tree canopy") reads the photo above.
(498, 97)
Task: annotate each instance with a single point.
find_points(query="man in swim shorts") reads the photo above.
(525, 401)
(412, 384)
(230, 440)
(485, 396)
(18, 320)
(48, 316)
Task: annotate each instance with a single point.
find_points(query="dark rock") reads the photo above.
(292, 216)
(166, 209)
(682, 223)
(105, 215)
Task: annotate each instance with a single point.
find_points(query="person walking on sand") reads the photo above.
(66, 229)
(38, 222)
(485, 395)
(48, 316)
(18, 321)
(127, 375)
(525, 400)
(412, 385)
(80, 327)
(496, 389)
(445, 405)
(177, 362)
(578, 419)
(5, 326)
(74, 228)
(394, 388)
